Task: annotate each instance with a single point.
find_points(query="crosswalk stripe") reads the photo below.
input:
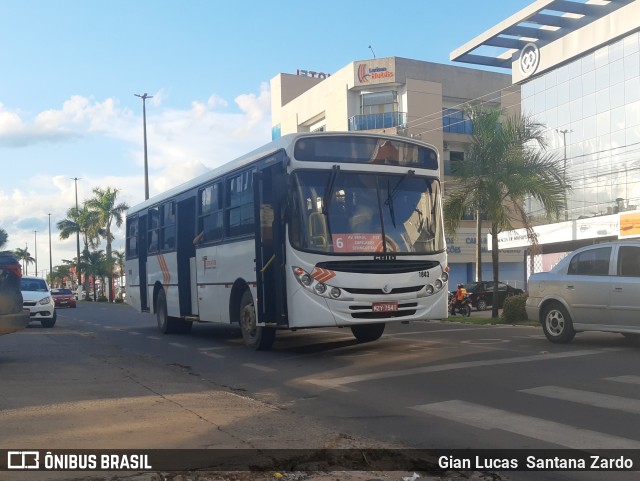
(340, 382)
(548, 431)
(626, 379)
(588, 398)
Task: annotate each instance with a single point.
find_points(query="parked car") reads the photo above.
(481, 294)
(37, 298)
(12, 315)
(595, 288)
(63, 297)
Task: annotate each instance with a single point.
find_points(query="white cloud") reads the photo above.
(181, 145)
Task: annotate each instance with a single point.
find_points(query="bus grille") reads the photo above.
(378, 292)
(378, 267)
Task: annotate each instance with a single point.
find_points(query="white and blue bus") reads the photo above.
(311, 230)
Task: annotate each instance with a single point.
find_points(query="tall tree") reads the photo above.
(95, 265)
(506, 163)
(83, 221)
(25, 257)
(3, 238)
(103, 204)
(119, 258)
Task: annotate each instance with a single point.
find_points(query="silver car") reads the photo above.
(595, 288)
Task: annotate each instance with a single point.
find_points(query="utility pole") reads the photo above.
(35, 249)
(50, 254)
(76, 179)
(144, 97)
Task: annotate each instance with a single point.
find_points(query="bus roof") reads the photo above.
(281, 143)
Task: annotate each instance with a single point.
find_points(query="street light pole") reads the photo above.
(35, 249)
(50, 254)
(76, 179)
(144, 97)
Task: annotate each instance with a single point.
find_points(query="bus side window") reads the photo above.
(154, 226)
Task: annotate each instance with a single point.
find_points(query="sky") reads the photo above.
(70, 69)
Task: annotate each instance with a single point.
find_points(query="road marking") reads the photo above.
(177, 344)
(548, 431)
(260, 367)
(625, 379)
(340, 382)
(599, 400)
(213, 354)
(485, 341)
(155, 338)
(133, 333)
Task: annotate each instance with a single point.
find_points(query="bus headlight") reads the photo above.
(438, 284)
(319, 288)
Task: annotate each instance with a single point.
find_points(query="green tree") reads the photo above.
(84, 222)
(24, 256)
(103, 204)
(59, 274)
(506, 163)
(3, 237)
(95, 265)
(119, 258)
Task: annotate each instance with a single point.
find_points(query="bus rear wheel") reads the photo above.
(368, 332)
(258, 338)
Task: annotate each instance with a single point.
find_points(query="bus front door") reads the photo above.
(270, 199)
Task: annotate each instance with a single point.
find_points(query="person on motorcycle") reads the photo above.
(461, 293)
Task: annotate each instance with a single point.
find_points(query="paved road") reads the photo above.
(424, 385)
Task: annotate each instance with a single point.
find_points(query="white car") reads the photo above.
(595, 288)
(36, 297)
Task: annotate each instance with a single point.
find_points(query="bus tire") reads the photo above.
(166, 324)
(368, 332)
(255, 337)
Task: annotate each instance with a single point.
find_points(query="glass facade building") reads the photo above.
(591, 107)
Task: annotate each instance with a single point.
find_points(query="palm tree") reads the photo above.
(119, 257)
(82, 221)
(59, 274)
(25, 257)
(95, 265)
(506, 163)
(103, 204)
(3, 237)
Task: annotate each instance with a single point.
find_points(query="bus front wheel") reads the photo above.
(368, 332)
(167, 324)
(255, 337)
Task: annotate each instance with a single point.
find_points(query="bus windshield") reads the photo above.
(365, 213)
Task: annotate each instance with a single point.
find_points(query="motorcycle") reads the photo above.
(463, 308)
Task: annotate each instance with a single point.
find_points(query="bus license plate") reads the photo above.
(384, 306)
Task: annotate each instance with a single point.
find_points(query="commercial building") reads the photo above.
(578, 66)
(404, 97)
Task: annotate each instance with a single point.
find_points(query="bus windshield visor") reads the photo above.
(365, 150)
(359, 213)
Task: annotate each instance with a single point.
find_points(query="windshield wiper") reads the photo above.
(392, 193)
(389, 203)
(328, 190)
